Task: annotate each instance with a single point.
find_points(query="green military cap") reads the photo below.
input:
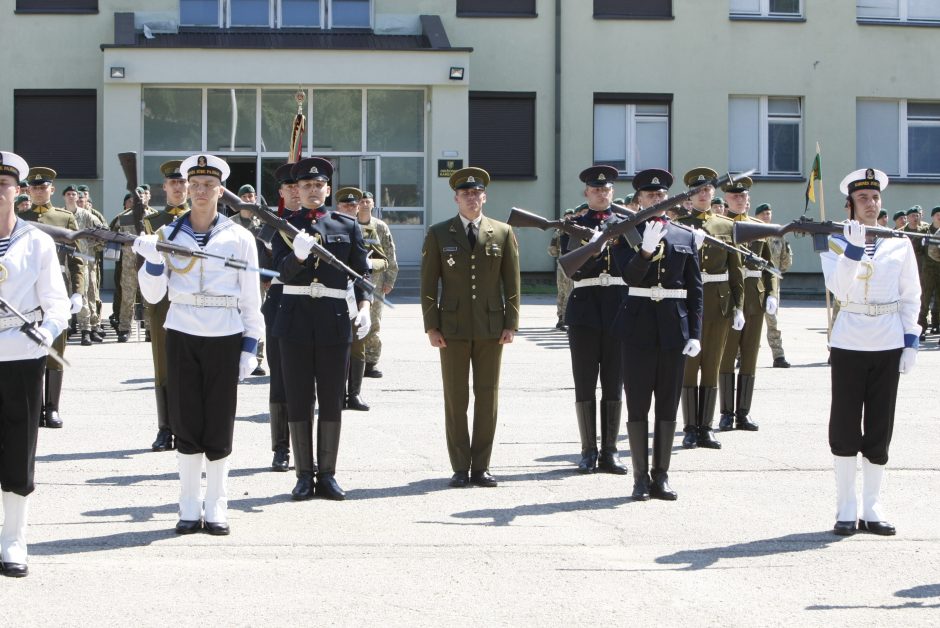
(718, 201)
(367, 195)
(40, 175)
(69, 188)
(700, 175)
(883, 213)
(898, 214)
(348, 195)
(171, 169)
(82, 188)
(619, 201)
(127, 197)
(916, 209)
(469, 178)
(22, 197)
(144, 187)
(765, 207)
(246, 189)
(628, 199)
(581, 206)
(742, 184)
(935, 210)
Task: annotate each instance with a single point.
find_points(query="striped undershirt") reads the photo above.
(870, 249)
(4, 245)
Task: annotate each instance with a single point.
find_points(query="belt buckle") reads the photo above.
(316, 290)
(657, 293)
(604, 279)
(199, 300)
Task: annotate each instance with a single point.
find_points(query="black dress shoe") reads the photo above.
(690, 440)
(303, 490)
(588, 462)
(51, 419)
(14, 570)
(164, 440)
(327, 488)
(609, 462)
(147, 335)
(660, 488)
(781, 363)
(844, 528)
(641, 488)
(560, 325)
(281, 461)
(371, 371)
(745, 423)
(259, 371)
(122, 336)
(881, 528)
(706, 439)
(184, 526)
(482, 478)
(460, 479)
(923, 336)
(725, 422)
(217, 529)
(355, 402)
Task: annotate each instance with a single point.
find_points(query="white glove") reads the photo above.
(146, 246)
(738, 323)
(854, 233)
(247, 363)
(47, 338)
(699, 236)
(77, 303)
(908, 358)
(303, 244)
(363, 322)
(692, 348)
(652, 236)
(770, 306)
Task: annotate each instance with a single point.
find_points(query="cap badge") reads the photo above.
(701, 177)
(655, 181)
(201, 161)
(870, 174)
(471, 180)
(314, 170)
(601, 177)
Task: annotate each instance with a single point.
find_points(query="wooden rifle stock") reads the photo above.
(525, 219)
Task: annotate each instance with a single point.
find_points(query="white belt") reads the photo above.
(602, 280)
(709, 278)
(205, 300)
(10, 322)
(658, 293)
(316, 291)
(870, 309)
(753, 274)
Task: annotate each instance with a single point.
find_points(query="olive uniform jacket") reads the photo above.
(480, 287)
(721, 298)
(757, 287)
(72, 266)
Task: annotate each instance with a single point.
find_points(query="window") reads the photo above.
(278, 13)
(766, 8)
(56, 6)
(59, 129)
(898, 136)
(502, 133)
(899, 10)
(633, 9)
(765, 133)
(496, 8)
(631, 135)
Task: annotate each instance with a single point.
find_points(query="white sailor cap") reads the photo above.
(863, 179)
(13, 165)
(205, 165)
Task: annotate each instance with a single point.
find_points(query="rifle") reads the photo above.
(746, 255)
(30, 329)
(129, 166)
(268, 217)
(820, 230)
(73, 251)
(60, 234)
(524, 218)
(574, 260)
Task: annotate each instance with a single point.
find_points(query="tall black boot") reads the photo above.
(708, 397)
(663, 434)
(357, 369)
(301, 435)
(689, 403)
(164, 440)
(639, 458)
(609, 459)
(280, 437)
(53, 392)
(586, 411)
(745, 393)
(327, 450)
(726, 398)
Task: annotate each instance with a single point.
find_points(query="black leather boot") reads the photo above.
(689, 403)
(301, 435)
(371, 371)
(726, 398)
(164, 440)
(609, 459)
(327, 450)
(639, 458)
(586, 411)
(708, 397)
(745, 393)
(51, 416)
(86, 338)
(663, 434)
(280, 437)
(354, 401)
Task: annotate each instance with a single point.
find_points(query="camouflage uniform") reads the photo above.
(88, 316)
(781, 255)
(378, 240)
(124, 223)
(931, 282)
(920, 253)
(562, 282)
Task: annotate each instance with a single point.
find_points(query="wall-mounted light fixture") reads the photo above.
(456, 74)
(117, 72)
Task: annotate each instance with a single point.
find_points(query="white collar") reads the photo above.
(476, 223)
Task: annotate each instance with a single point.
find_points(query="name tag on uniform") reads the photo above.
(449, 249)
(340, 237)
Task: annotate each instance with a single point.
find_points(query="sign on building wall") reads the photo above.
(447, 167)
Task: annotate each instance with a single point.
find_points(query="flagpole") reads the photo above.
(822, 217)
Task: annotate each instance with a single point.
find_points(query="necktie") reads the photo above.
(471, 235)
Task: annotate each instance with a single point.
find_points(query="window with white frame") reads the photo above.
(631, 136)
(765, 133)
(899, 10)
(898, 136)
(277, 13)
(767, 8)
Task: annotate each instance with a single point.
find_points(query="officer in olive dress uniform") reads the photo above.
(476, 311)
(40, 192)
(597, 291)
(176, 188)
(760, 296)
(723, 288)
(381, 245)
(313, 326)
(660, 323)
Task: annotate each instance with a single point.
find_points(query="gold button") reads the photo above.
(473, 257)
(473, 276)
(473, 266)
(473, 296)
(473, 287)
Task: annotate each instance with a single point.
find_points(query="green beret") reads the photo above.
(367, 195)
(935, 210)
(69, 188)
(618, 201)
(144, 187)
(82, 188)
(898, 214)
(22, 197)
(916, 209)
(763, 207)
(628, 198)
(581, 206)
(246, 189)
(883, 212)
(718, 201)
(127, 197)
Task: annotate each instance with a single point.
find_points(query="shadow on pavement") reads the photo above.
(92, 455)
(412, 489)
(130, 480)
(550, 338)
(142, 514)
(100, 543)
(140, 380)
(506, 516)
(920, 592)
(704, 558)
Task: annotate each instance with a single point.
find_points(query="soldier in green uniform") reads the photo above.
(931, 281)
(882, 218)
(723, 284)
(476, 312)
(87, 322)
(899, 218)
(378, 240)
(915, 225)
(761, 295)
(84, 200)
(781, 256)
(124, 223)
(40, 194)
(563, 283)
(21, 203)
(176, 189)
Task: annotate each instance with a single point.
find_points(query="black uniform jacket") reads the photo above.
(668, 323)
(594, 306)
(325, 320)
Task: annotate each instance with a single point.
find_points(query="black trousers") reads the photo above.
(864, 394)
(594, 352)
(20, 408)
(648, 372)
(313, 373)
(202, 391)
(276, 393)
